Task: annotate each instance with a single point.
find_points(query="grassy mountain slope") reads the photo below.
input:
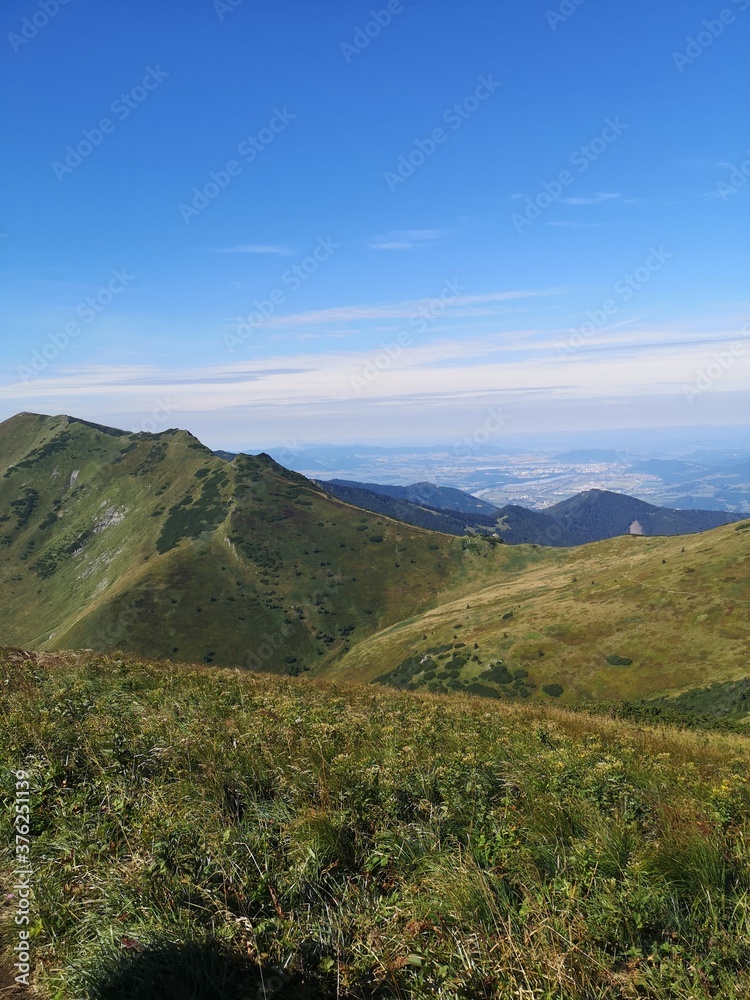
(216, 834)
(150, 542)
(83, 511)
(676, 608)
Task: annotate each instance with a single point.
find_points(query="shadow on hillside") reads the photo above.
(199, 971)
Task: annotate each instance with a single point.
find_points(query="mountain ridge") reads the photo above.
(425, 494)
(150, 543)
(149, 539)
(589, 516)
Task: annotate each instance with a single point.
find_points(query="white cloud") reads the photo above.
(394, 246)
(407, 239)
(258, 248)
(579, 225)
(625, 363)
(595, 199)
(401, 310)
(434, 390)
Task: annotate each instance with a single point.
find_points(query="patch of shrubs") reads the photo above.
(25, 506)
(189, 518)
(498, 673)
(59, 443)
(727, 700)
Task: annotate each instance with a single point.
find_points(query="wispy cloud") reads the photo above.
(260, 248)
(578, 225)
(394, 245)
(480, 305)
(595, 199)
(625, 363)
(407, 239)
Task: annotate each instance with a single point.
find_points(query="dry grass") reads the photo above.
(196, 829)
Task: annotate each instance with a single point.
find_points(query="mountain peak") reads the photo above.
(102, 428)
(58, 420)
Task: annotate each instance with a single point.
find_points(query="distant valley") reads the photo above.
(709, 478)
(588, 517)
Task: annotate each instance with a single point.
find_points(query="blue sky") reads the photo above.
(265, 223)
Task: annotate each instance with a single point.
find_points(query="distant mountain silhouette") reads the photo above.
(587, 517)
(448, 521)
(597, 514)
(425, 494)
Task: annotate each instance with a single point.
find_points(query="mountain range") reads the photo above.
(587, 517)
(153, 544)
(534, 474)
(424, 495)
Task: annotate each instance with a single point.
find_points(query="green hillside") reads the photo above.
(622, 619)
(214, 834)
(148, 542)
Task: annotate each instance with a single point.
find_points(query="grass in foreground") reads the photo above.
(208, 833)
